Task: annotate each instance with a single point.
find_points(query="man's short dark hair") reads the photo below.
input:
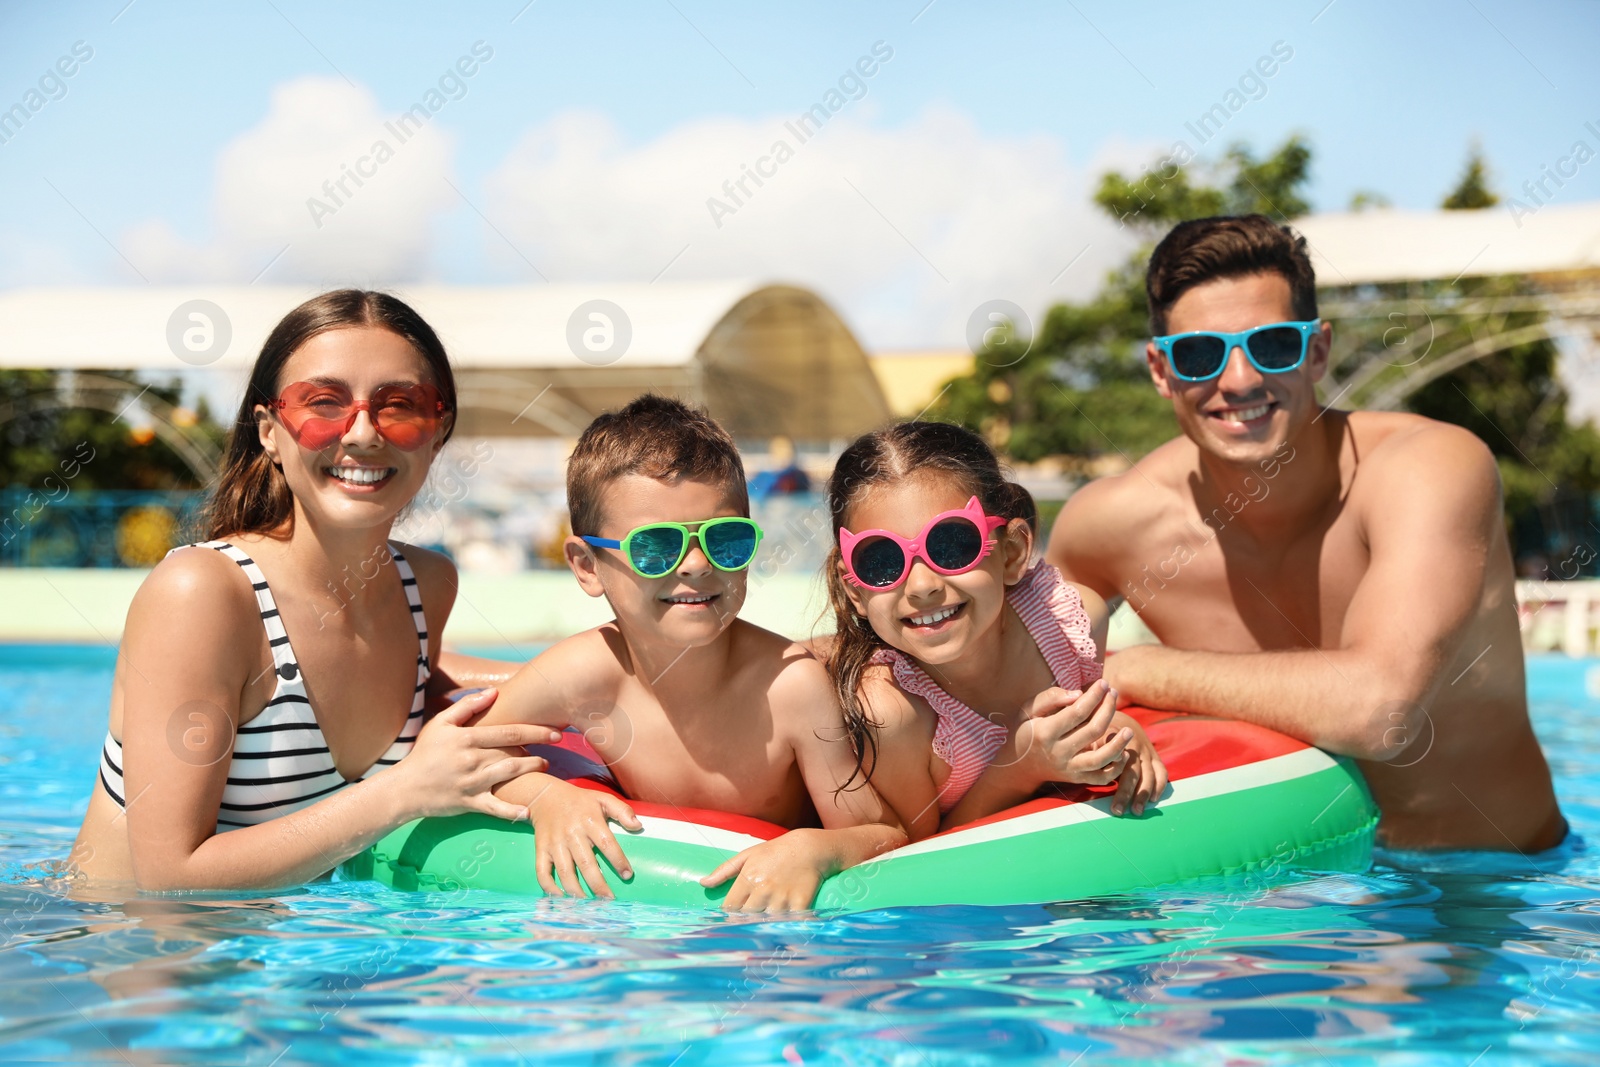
(1227, 246)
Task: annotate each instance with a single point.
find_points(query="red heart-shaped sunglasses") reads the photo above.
(319, 413)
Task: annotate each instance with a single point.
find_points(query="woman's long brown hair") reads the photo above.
(252, 495)
(910, 449)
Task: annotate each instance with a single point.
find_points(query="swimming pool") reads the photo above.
(1455, 958)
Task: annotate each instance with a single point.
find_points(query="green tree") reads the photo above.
(1472, 192)
(1514, 400)
(40, 429)
(1510, 396)
(1082, 388)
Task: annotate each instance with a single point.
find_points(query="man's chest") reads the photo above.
(1206, 585)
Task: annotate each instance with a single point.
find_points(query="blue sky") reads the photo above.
(588, 145)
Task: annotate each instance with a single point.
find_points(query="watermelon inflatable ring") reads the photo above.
(1242, 799)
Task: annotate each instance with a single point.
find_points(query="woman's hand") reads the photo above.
(453, 766)
(778, 875)
(569, 823)
(1144, 776)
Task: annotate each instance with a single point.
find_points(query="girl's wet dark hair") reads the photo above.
(252, 495)
(910, 449)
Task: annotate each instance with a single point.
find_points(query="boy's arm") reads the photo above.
(549, 686)
(570, 823)
(457, 671)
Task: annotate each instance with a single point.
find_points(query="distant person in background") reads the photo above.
(788, 477)
(237, 758)
(1343, 577)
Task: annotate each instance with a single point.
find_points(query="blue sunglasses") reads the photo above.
(1273, 349)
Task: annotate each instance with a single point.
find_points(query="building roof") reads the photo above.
(481, 326)
(1515, 237)
(912, 381)
(764, 359)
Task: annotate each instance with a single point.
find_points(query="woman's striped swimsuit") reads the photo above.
(1052, 611)
(281, 761)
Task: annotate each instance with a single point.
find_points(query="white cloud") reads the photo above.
(315, 131)
(995, 216)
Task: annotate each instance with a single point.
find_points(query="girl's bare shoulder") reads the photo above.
(898, 713)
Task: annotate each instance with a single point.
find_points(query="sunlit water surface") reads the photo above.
(1455, 958)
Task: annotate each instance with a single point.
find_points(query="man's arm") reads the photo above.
(1430, 513)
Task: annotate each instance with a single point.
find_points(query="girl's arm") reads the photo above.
(1037, 751)
(1063, 737)
(903, 771)
(188, 655)
(783, 874)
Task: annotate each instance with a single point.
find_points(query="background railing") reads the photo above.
(68, 527)
(1559, 616)
(93, 528)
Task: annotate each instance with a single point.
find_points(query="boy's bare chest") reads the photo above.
(721, 757)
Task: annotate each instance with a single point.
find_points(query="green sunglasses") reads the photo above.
(656, 549)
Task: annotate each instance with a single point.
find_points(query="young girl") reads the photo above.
(969, 677)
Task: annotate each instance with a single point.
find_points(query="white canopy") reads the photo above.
(481, 326)
(1513, 237)
(766, 360)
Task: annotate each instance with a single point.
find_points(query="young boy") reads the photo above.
(685, 703)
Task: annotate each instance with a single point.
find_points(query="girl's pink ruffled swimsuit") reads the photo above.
(1053, 613)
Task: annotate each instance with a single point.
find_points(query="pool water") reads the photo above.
(1452, 958)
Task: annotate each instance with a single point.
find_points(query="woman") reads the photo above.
(236, 757)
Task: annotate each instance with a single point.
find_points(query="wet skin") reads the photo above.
(1342, 577)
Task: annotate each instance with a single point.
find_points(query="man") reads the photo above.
(1342, 577)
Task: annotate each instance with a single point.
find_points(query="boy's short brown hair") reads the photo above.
(1227, 246)
(655, 436)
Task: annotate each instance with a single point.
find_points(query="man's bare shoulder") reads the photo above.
(1131, 498)
(1104, 516)
(1400, 452)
